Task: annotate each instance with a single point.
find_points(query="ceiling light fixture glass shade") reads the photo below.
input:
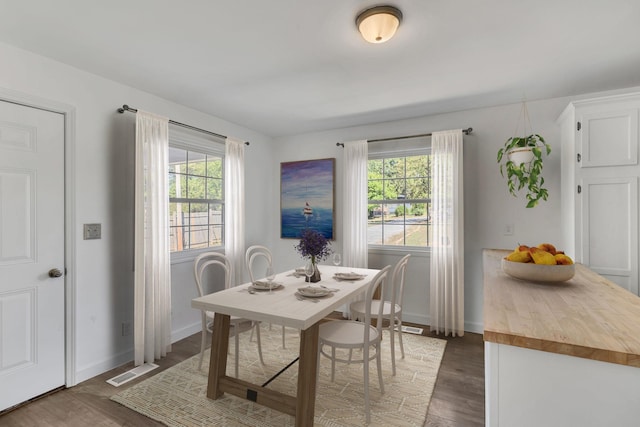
(378, 24)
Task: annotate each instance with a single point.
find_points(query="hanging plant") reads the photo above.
(521, 160)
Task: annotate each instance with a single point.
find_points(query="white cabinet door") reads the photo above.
(609, 138)
(608, 173)
(610, 228)
(32, 340)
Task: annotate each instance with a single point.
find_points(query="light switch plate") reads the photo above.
(92, 231)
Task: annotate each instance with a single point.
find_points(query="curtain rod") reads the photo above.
(466, 131)
(125, 107)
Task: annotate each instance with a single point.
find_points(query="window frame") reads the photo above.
(201, 144)
(396, 153)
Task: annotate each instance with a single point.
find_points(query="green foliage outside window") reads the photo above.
(399, 197)
(417, 209)
(196, 200)
(387, 179)
(199, 177)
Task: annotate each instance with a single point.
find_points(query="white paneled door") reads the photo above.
(32, 338)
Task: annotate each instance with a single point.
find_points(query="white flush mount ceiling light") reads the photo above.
(378, 24)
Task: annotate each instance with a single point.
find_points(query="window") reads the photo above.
(196, 196)
(399, 199)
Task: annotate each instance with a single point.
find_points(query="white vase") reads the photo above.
(520, 155)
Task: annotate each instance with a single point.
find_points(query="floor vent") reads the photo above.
(118, 380)
(412, 330)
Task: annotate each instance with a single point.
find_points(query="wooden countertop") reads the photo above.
(587, 316)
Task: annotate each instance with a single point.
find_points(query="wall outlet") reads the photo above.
(126, 329)
(508, 230)
(92, 231)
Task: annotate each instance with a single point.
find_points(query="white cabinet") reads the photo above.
(559, 356)
(600, 173)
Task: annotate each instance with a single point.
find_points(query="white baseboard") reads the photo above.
(415, 318)
(103, 366)
(126, 356)
(185, 331)
(475, 327)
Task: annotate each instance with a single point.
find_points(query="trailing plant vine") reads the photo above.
(525, 175)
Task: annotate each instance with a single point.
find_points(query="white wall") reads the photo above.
(104, 194)
(488, 205)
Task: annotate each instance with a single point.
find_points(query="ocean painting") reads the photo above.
(307, 191)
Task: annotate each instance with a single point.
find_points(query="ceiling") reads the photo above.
(284, 67)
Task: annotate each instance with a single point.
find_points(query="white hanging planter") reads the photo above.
(521, 155)
(520, 161)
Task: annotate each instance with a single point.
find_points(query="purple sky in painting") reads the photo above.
(309, 180)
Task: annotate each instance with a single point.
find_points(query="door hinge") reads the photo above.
(578, 157)
(579, 189)
(578, 126)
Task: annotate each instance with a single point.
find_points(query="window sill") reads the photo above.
(191, 255)
(391, 250)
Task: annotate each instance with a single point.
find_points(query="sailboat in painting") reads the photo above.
(307, 211)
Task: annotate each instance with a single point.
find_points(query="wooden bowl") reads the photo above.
(537, 272)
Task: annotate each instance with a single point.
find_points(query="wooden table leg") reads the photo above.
(307, 376)
(218, 358)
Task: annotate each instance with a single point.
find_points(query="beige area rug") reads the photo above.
(177, 396)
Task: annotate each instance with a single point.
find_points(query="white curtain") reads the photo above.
(152, 277)
(354, 204)
(447, 254)
(234, 207)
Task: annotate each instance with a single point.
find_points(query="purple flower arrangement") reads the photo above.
(313, 245)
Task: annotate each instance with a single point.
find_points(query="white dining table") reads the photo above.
(281, 307)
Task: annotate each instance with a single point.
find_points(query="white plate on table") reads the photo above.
(264, 286)
(313, 292)
(348, 276)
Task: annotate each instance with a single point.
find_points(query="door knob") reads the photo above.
(54, 272)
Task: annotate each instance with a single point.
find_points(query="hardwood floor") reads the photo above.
(458, 398)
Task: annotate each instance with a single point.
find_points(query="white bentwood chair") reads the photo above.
(253, 256)
(352, 334)
(391, 308)
(206, 262)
